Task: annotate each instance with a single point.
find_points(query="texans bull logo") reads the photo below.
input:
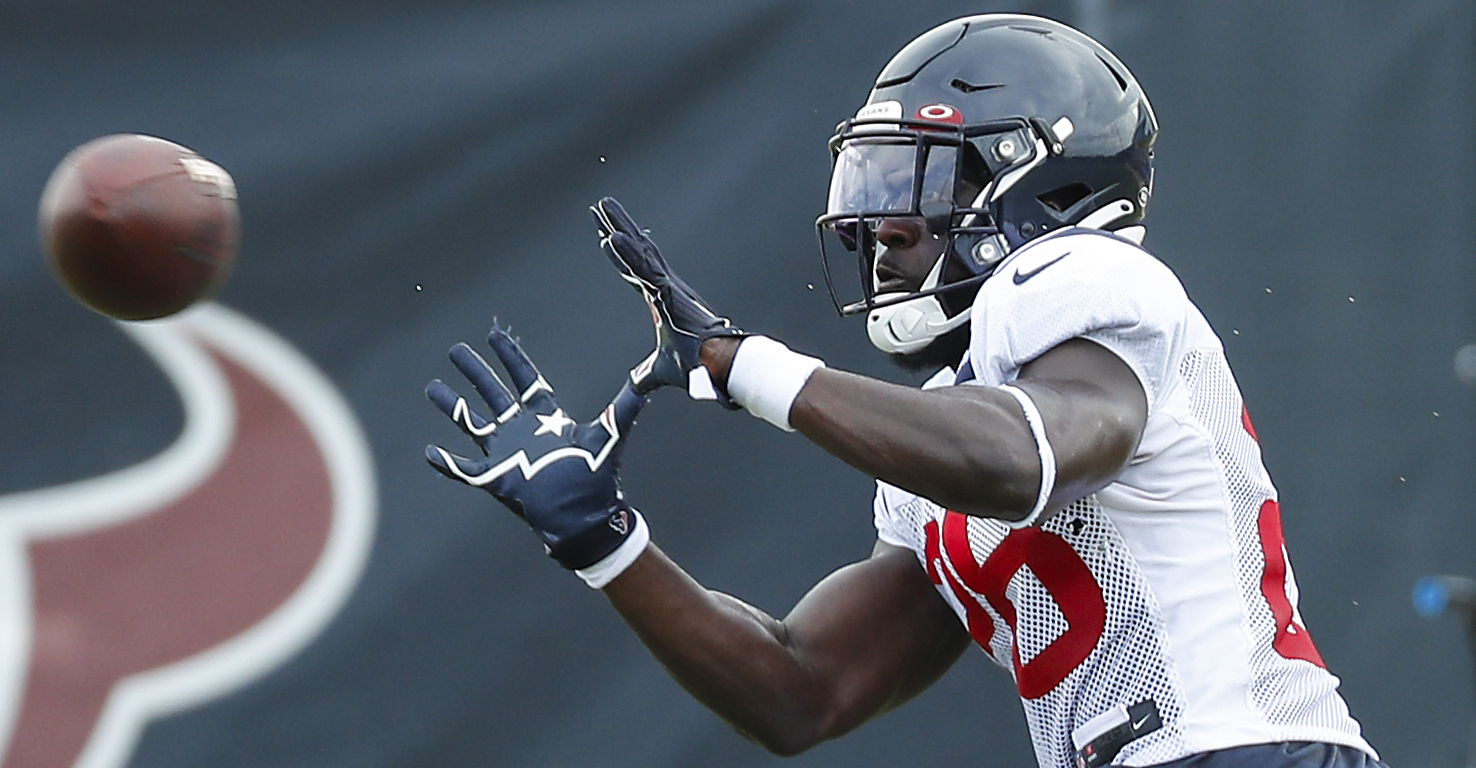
(127, 597)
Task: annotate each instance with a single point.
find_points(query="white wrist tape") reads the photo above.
(767, 376)
(608, 567)
(1047, 456)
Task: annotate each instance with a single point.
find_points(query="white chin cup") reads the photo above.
(908, 326)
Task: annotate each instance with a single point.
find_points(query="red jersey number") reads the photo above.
(1056, 566)
(1291, 640)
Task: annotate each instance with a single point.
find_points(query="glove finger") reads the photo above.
(458, 468)
(456, 407)
(637, 259)
(603, 225)
(686, 292)
(625, 272)
(526, 380)
(476, 370)
(622, 411)
(627, 244)
(611, 217)
(621, 256)
(610, 430)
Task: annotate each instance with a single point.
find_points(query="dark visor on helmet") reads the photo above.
(908, 168)
(877, 177)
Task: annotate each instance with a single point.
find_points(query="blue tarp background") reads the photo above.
(409, 171)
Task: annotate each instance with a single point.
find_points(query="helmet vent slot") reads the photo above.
(967, 87)
(1061, 199)
(1121, 83)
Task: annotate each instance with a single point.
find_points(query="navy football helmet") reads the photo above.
(994, 129)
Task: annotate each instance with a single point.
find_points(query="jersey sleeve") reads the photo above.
(1085, 285)
(901, 517)
(889, 527)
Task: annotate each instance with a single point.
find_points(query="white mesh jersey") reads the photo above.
(1172, 583)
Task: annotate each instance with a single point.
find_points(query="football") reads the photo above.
(137, 227)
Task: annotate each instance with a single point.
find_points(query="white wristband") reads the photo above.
(608, 567)
(1047, 456)
(767, 376)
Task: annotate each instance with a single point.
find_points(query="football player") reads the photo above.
(1078, 489)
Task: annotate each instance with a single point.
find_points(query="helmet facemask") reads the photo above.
(949, 176)
(1042, 128)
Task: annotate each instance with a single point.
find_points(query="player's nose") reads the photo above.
(910, 251)
(900, 233)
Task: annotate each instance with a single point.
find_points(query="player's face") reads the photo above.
(909, 251)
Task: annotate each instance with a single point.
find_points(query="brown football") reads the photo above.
(137, 227)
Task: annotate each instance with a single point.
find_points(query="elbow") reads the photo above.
(1086, 472)
(995, 475)
(1007, 513)
(787, 731)
(1007, 493)
(1002, 478)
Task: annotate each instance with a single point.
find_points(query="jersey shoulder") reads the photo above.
(1079, 283)
(1077, 259)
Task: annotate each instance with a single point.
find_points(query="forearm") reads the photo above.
(972, 449)
(868, 637)
(732, 657)
(965, 448)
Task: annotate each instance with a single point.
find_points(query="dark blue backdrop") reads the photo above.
(409, 171)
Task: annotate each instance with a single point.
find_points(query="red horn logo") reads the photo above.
(133, 595)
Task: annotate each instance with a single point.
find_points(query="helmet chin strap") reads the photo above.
(908, 326)
(1104, 217)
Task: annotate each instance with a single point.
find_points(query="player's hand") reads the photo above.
(683, 320)
(559, 476)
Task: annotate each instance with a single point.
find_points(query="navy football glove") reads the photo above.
(559, 476)
(683, 320)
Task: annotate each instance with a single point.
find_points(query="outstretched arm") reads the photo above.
(865, 639)
(970, 448)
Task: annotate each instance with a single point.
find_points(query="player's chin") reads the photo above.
(947, 349)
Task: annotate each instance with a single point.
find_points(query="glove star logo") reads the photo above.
(131, 596)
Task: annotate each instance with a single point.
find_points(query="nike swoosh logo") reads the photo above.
(1021, 277)
(1139, 724)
